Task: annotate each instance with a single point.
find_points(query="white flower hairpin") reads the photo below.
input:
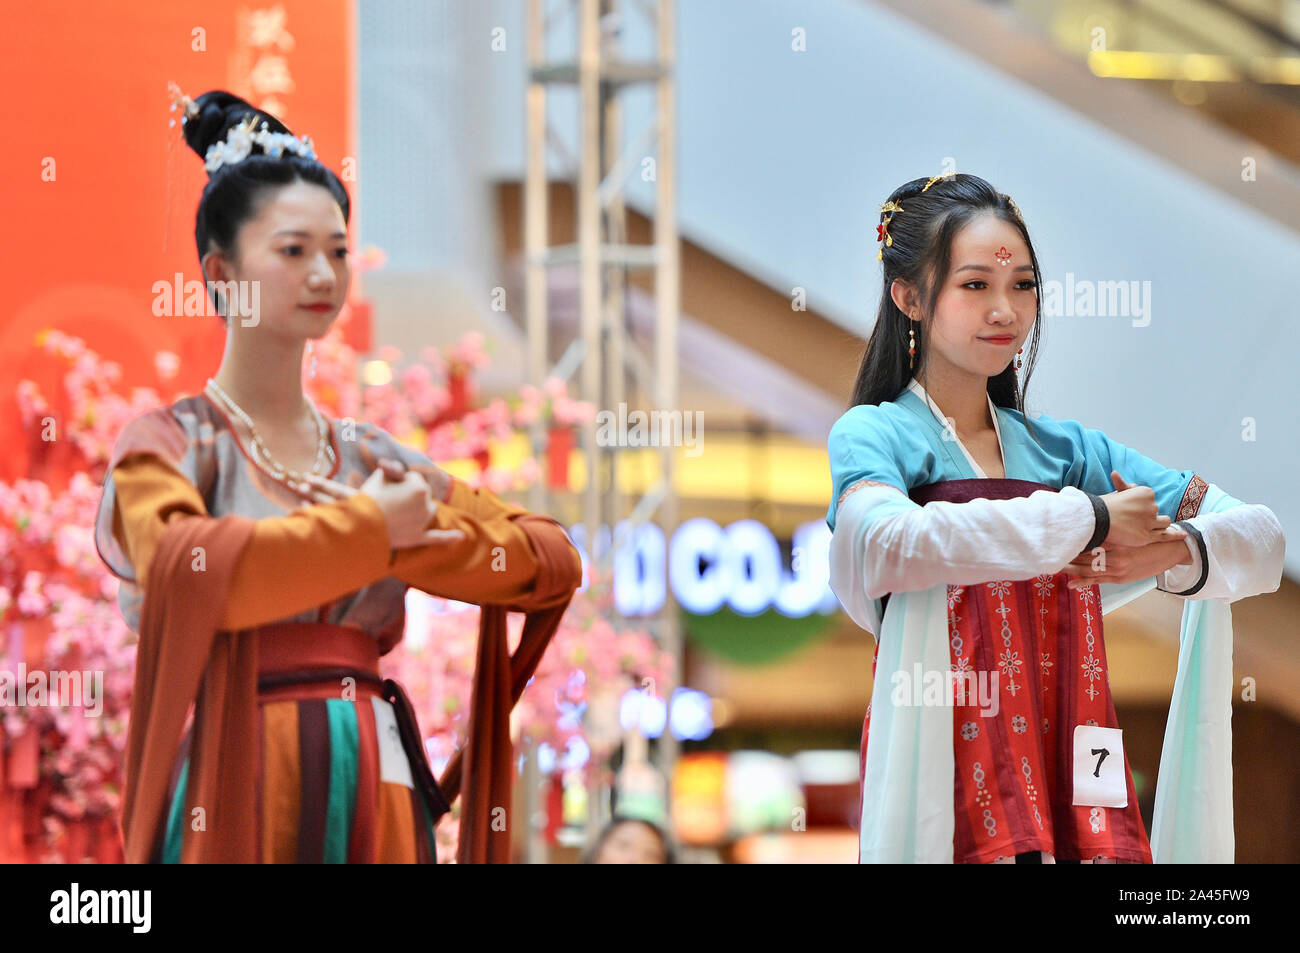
(241, 138)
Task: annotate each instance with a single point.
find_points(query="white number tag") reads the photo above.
(1099, 776)
(393, 763)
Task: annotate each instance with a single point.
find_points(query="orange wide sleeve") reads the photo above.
(480, 504)
(495, 563)
(291, 564)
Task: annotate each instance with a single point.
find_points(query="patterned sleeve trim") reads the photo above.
(1192, 497)
(852, 487)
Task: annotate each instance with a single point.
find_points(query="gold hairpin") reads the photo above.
(936, 178)
(889, 210)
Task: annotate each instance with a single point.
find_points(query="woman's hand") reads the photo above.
(1127, 563)
(319, 489)
(404, 498)
(439, 480)
(1141, 543)
(1134, 518)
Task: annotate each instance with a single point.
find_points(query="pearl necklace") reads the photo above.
(262, 456)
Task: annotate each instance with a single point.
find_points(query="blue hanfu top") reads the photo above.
(904, 443)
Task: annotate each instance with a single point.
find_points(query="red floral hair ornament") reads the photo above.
(889, 209)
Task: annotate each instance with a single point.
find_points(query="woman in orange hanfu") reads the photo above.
(265, 551)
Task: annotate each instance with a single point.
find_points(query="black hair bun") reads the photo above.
(219, 112)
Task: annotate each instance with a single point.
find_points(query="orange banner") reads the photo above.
(97, 206)
(100, 192)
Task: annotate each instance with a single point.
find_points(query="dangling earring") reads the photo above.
(312, 351)
(1018, 352)
(911, 343)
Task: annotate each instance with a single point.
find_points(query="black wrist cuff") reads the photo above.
(1103, 521)
(1205, 562)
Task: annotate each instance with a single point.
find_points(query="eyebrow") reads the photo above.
(303, 234)
(986, 268)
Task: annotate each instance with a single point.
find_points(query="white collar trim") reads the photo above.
(915, 387)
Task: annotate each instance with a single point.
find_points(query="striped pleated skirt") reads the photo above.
(343, 777)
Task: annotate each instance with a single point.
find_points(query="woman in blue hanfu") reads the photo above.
(982, 547)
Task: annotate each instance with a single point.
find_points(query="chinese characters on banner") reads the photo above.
(259, 68)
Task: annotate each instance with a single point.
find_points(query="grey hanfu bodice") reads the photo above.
(229, 482)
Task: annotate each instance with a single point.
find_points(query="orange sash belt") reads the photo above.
(312, 659)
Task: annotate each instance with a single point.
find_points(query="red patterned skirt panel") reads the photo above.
(1015, 768)
(1037, 647)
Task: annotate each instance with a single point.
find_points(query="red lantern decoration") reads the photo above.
(558, 447)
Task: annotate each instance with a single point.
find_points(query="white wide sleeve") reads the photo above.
(1244, 553)
(954, 543)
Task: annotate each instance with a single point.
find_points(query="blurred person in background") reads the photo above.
(630, 840)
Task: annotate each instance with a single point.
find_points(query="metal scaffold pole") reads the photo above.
(536, 209)
(612, 368)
